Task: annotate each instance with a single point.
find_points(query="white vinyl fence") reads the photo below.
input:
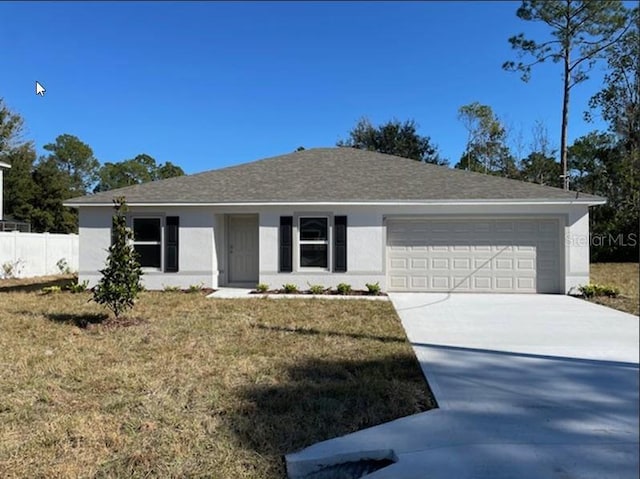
(24, 255)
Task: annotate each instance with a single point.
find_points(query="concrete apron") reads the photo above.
(506, 412)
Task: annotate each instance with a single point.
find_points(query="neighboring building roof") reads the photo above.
(342, 175)
(4, 165)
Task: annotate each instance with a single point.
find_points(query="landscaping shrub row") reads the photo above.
(343, 289)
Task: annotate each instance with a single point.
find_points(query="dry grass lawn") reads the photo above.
(199, 388)
(624, 276)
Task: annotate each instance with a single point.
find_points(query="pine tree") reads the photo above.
(120, 283)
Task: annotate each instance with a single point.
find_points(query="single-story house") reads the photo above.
(342, 215)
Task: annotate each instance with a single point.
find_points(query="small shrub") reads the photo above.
(63, 266)
(373, 288)
(592, 290)
(169, 289)
(77, 287)
(195, 288)
(12, 269)
(262, 288)
(316, 289)
(289, 288)
(120, 283)
(587, 290)
(51, 289)
(343, 288)
(7, 270)
(610, 291)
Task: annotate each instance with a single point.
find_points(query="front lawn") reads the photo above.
(197, 387)
(623, 276)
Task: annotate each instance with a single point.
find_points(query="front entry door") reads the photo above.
(243, 249)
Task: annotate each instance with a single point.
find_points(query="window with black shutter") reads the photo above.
(286, 244)
(147, 241)
(340, 244)
(171, 247)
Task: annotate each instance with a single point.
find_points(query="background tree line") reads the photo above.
(35, 188)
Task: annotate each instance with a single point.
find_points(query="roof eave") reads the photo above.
(542, 201)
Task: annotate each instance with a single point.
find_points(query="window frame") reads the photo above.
(160, 243)
(300, 242)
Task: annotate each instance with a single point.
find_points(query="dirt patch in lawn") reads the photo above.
(199, 387)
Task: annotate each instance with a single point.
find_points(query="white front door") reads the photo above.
(243, 249)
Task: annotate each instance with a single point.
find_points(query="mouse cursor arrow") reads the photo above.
(40, 89)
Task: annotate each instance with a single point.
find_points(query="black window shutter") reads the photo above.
(171, 238)
(340, 244)
(286, 244)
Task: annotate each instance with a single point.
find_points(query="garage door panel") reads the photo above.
(474, 255)
(546, 246)
(526, 227)
(463, 282)
(482, 283)
(440, 282)
(482, 263)
(546, 265)
(504, 264)
(504, 226)
(398, 282)
(419, 263)
(548, 229)
(504, 284)
(482, 227)
(526, 283)
(461, 263)
(440, 263)
(526, 264)
(398, 263)
(419, 282)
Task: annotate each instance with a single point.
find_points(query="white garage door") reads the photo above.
(472, 255)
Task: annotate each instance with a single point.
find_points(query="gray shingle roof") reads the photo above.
(332, 175)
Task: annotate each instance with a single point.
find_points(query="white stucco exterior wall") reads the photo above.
(365, 248)
(576, 244)
(94, 230)
(196, 251)
(203, 241)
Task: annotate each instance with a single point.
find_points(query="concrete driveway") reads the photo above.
(528, 386)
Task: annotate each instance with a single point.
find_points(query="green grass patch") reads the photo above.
(192, 387)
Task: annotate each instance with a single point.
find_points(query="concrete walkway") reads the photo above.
(529, 387)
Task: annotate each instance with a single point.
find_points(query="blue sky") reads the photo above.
(211, 84)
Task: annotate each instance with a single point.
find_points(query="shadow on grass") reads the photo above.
(320, 399)
(316, 332)
(35, 286)
(79, 320)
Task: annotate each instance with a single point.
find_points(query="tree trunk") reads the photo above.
(565, 104)
(565, 121)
